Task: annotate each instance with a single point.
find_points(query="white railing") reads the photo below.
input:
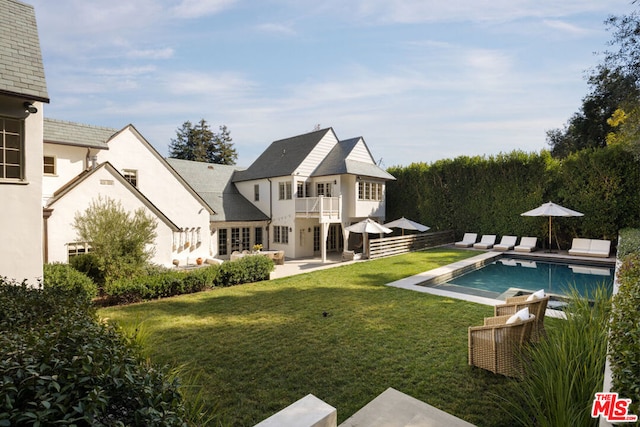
(319, 207)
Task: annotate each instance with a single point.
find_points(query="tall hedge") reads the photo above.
(487, 194)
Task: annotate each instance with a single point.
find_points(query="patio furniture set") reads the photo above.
(496, 345)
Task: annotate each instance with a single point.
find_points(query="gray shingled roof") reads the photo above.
(68, 133)
(282, 157)
(336, 163)
(214, 184)
(21, 69)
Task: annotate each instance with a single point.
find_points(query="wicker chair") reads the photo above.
(537, 307)
(496, 345)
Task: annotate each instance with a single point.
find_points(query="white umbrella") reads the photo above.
(406, 224)
(368, 226)
(365, 227)
(551, 209)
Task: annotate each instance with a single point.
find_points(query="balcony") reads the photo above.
(326, 209)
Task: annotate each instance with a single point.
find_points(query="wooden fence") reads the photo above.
(387, 246)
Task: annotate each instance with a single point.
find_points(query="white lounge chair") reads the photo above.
(527, 244)
(580, 247)
(467, 240)
(506, 243)
(590, 247)
(487, 242)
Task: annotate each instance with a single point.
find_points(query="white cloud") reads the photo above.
(207, 84)
(199, 8)
(566, 27)
(161, 53)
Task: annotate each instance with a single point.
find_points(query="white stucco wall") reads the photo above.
(99, 184)
(21, 252)
(70, 162)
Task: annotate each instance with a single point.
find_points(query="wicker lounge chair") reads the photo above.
(496, 345)
(467, 240)
(537, 307)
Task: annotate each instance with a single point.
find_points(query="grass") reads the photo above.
(257, 348)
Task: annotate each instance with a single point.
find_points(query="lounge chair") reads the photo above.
(590, 247)
(487, 242)
(496, 345)
(537, 307)
(527, 244)
(467, 240)
(506, 243)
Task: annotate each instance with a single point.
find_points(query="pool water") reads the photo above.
(555, 278)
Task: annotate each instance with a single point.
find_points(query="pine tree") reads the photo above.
(199, 143)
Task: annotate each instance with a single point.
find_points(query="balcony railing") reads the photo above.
(324, 208)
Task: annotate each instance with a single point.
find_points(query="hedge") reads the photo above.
(160, 284)
(248, 269)
(624, 335)
(63, 276)
(486, 195)
(60, 366)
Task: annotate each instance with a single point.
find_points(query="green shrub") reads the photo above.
(563, 372)
(247, 269)
(65, 277)
(624, 336)
(161, 284)
(60, 366)
(629, 242)
(88, 264)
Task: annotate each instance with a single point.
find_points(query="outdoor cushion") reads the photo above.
(536, 295)
(527, 244)
(600, 248)
(487, 242)
(467, 240)
(519, 316)
(580, 246)
(506, 243)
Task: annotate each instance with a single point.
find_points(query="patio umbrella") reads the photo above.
(406, 224)
(551, 209)
(365, 227)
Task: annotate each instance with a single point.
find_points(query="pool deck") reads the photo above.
(425, 282)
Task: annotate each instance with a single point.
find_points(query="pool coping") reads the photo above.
(424, 282)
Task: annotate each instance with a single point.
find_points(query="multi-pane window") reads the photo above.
(246, 238)
(284, 238)
(257, 236)
(222, 241)
(77, 248)
(11, 156)
(368, 190)
(276, 234)
(284, 192)
(280, 234)
(49, 165)
(256, 193)
(323, 189)
(131, 175)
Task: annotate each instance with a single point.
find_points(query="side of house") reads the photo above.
(23, 93)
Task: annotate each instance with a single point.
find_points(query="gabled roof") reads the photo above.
(282, 157)
(78, 180)
(69, 133)
(21, 68)
(214, 184)
(337, 162)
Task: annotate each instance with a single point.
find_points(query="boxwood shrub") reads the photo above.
(63, 276)
(248, 269)
(60, 366)
(160, 284)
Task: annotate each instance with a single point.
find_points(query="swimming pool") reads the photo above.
(510, 276)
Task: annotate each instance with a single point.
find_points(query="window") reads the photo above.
(276, 234)
(246, 239)
(77, 248)
(11, 155)
(222, 241)
(368, 190)
(235, 239)
(49, 164)
(285, 235)
(280, 234)
(256, 193)
(257, 236)
(131, 175)
(284, 191)
(300, 191)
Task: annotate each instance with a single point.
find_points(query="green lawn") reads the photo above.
(258, 348)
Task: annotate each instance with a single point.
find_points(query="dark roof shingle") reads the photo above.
(21, 68)
(68, 133)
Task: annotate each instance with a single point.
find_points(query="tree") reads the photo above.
(121, 242)
(199, 143)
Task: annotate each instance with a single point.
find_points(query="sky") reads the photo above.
(419, 80)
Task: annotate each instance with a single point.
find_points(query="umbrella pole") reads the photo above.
(550, 248)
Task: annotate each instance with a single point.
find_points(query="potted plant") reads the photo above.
(257, 248)
(199, 261)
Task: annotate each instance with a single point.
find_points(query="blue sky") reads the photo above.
(420, 80)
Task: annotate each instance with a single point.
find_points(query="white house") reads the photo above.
(298, 196)
(22, 94)
(83, 163)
